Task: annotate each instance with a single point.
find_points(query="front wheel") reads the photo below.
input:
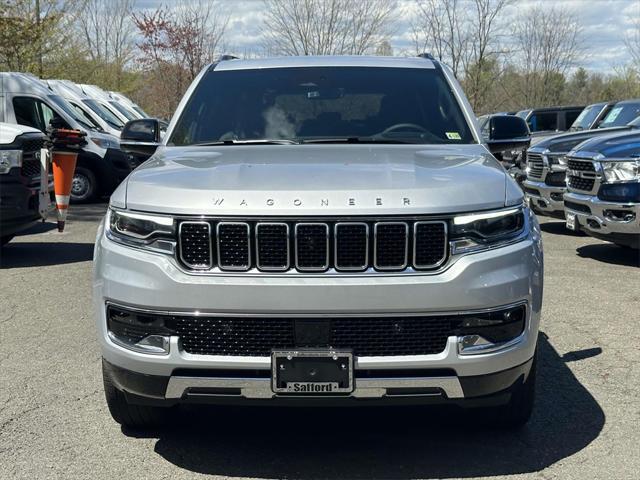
(130, 415)
(85, 185)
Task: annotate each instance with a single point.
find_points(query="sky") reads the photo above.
(605, 23)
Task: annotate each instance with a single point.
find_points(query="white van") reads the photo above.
(86, 106)
(127, 102)
(105, 99)
(25, 100)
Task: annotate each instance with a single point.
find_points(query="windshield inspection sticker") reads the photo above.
(453, 136)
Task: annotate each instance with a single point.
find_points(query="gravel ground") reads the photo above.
(54, 422)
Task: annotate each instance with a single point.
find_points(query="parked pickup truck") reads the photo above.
(19, 179)
(603, 197)
(320, 231)
(546, 163)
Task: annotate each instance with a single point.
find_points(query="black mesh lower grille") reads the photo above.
(272, 246)
(233, 244)
(430, 244)
(195, 244)
(391, 245)
(377, 336)
(579, 183)
(351, 246)
(312, 245)
(31, 168)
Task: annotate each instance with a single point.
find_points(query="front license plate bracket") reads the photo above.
(312, 372)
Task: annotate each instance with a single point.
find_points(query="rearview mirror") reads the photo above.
(507, 132)
(141, 137)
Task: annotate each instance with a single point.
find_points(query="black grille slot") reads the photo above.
(366, 336)
(430, 244)
(391, 245)
(195, 244)
(578, 207)
(580, 183)
(581, 166)
(31, 168)
(312, 246)
(556, 179)
(352, 246)
(233, 246)
(272, 244)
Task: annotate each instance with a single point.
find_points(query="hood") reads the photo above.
(565, 142)
(621, 145)
(9, 132)
(318, 180)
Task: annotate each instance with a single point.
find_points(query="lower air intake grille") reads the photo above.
(376, 336)
(579, 183)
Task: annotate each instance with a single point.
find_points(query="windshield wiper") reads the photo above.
(260, 141)
(355, 140)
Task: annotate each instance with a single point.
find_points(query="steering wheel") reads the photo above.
(403, 126)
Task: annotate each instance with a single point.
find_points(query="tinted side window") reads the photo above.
(543, 121)
(571, 116)
(32, 112)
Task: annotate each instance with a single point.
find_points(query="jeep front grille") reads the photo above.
(279, 246)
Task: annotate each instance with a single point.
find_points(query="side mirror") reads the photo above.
(140, 137)
(507, 132)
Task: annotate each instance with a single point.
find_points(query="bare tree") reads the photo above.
(548, 45)
(325, 27)
(109, 33)
(632, 42)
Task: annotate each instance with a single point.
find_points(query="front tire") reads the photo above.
(85, 185)
(130, 415)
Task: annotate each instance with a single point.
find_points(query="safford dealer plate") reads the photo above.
(312, 372)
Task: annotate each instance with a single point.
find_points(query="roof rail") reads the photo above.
(426, 55)
(227, 57)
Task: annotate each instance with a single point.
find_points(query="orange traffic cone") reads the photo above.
(64, 166)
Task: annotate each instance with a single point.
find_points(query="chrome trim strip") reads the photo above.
(261, 387)
(257, 237)
(415, 243)
(336, 226)
(191, 265)
(375, 247)
(327, 250)
(200, 313)
(231, 267)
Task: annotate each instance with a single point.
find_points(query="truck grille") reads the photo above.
(366, 336)
(535, 166)
(30, 160)
(312, 246)
(577, 182)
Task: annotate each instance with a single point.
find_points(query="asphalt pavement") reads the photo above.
(54, 422)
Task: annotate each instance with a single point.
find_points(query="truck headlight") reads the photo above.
(150, 232)
(10, 159)
(621, 171)
(479, 231)
(557, 159)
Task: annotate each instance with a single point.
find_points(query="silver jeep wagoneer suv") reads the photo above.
(319, 231)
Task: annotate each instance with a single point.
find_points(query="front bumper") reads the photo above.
(594, 217)
(486, 280)
(544, 198)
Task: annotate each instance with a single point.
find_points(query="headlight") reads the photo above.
(479, 231)
(150, 232)
(621, 171)
(10, 159)
(105, 142)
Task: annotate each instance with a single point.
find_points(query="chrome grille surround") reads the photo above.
(584, 174)
(536, 166)
(321, 245)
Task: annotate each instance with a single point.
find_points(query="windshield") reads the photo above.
(586, 118)
(85, 115)
(69, 110)
(103, 113)
(122, 110)
(403, 105)
(621, 114)
(140, 111)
